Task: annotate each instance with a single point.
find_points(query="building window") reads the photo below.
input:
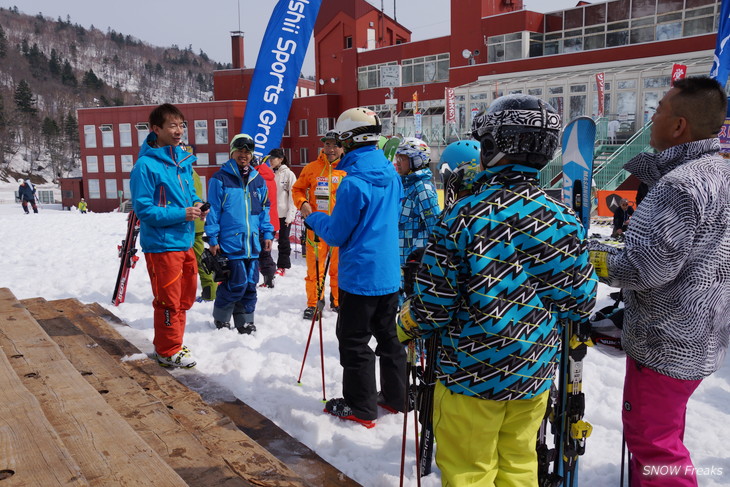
(110, 163)
(428, 69)
(348, 42)
(221, 157)
(303, 128)
(92, 164)
(204, 188)
(303, 155)
(505, 47)
(286, 129)
(94, 192)
(126, 188)
(107, 135)
(89, 136)
(125, 135)
(369, 76)
(127, 162)
(287, 153)
(203, 158)
(221, 131)
(201, 131)
(143, 130)
(324, 125)
(110, 185)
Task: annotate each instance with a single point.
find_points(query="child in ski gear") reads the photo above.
(266, 262)
(315, 190)
(207, 283)
(26, 192)
(285, 180)
(621, 216)
(504, 268)
(82, 206)
(239, 216)
(420, 210)
(674, 275)
(165, 201)
(364, 225)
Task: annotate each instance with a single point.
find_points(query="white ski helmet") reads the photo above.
(417, 151)
(358, 126)
(523, 127)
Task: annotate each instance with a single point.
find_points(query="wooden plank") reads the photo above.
(213, 429)
(147, 415)
(105, 447)
(31, 453)
(302, 459)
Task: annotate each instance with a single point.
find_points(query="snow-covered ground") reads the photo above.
(60, 254)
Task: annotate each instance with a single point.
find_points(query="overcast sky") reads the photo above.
(207, 24)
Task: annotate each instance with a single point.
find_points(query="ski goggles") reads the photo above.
(243, 143)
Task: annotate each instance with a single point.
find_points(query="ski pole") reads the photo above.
(409, 359)
(315, 248)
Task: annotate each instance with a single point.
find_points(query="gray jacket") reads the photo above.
(675, 266)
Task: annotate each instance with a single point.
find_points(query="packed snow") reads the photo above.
(59, 254)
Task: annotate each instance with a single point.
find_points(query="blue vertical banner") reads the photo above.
(277, 72)
(721, 59)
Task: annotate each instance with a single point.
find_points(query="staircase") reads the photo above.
(608, 161)
(82, 406)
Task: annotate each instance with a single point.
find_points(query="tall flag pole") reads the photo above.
(721, 59)
(277, 72)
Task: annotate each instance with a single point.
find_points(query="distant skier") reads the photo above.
(26, 192)
(504, 266)
(674, 270)
(82, 206)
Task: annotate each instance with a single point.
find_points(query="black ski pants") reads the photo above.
(360, 319)
(284, 260)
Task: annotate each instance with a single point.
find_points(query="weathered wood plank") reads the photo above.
(147, 415)
(213, 429)
(31, 453)
(105, 447)
(258, 427)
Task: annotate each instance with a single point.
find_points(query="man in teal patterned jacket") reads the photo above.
(504, 268)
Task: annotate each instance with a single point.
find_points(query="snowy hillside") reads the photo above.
(57, 254)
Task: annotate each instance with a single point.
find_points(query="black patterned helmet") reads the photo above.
(523, 127)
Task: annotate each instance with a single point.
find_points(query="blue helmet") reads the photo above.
(460, 151)
(417, 151)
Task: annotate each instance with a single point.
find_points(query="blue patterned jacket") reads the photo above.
(503, 268)
(419, 213)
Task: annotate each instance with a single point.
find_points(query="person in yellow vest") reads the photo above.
(82, 206)
(315, 190)
(207, 283)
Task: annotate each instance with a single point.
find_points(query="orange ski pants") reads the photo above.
(174, 279)
(311, 279)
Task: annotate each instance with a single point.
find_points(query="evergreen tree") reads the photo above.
(68, 77)
(50, 128)
(91, 81)
(24, 99)
(71, 127)
(3, 43)
(54, 64)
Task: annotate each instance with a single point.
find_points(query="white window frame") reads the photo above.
(221, 157)
(125, 135)
(110, 189)
(107, 135)
(221, 131)
(92, 164)
(203, 159)
(303, 155)
(127, 162)
(90, 136)
(201, 132)
(303, 129)
(126, 188)
(94, 190)
(110, 163)
(143, 130)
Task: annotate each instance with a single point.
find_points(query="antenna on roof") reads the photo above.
(239, 15)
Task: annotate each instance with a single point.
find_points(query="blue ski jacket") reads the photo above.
(162, 188)
(364, 223)
(503, 268)
(419, 212)
(239, 211)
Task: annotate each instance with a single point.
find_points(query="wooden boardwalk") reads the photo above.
(72, 412)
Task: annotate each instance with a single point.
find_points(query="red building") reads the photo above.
(365, 58)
